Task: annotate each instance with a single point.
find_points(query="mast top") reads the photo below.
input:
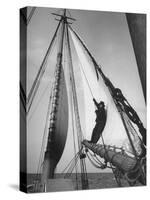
(63, 17)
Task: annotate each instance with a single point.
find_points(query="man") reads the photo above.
(100, 121)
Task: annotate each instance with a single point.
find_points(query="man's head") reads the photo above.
(101, 104)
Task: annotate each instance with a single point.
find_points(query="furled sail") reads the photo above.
(114, 133)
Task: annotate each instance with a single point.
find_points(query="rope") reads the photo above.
(88, 52)
(72, 117)
(97, 166)
(132, 127)
(72, 80)
(39, 167)
(71, 165)
(86, 79)
(68, 174)
(77, 154)
(44, 137)
(40, 73)
(77, 117)
(74, 138)
(96, 160)
(36, 106)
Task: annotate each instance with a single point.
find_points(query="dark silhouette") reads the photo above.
(100, 121)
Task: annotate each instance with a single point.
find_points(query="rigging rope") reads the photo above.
(86, 80)
(77, 117)
(96, 160)
(72, 160)
(71, 168)
(40, 73)
(44, 135)
(36, 185)
(72, 116)
(89, 53)
(73, 129)
(36, 106)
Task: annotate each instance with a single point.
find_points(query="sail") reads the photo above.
(114, 132)
(62, 113)
(59, 112)
(58, 127)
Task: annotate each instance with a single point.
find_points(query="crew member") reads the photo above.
(100, 121)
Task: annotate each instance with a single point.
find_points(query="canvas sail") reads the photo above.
(58, 127)
(114, 133)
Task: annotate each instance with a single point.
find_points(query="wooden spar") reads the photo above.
(57, 129)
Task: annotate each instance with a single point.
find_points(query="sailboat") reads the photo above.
(122, 146)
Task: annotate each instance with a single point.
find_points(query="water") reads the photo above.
(96, 180)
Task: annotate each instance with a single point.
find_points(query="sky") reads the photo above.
(107, 36)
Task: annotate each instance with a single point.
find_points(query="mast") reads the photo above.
(52, 154)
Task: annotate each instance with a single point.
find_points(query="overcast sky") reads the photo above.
(107, 37)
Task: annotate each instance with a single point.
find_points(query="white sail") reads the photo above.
(114, 132)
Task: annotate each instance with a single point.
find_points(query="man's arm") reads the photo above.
(95, 102)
